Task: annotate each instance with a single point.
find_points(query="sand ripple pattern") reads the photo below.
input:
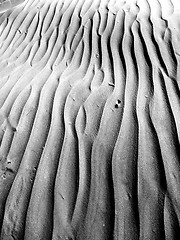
(90, 120)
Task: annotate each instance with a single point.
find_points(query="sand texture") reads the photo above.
(89, 120)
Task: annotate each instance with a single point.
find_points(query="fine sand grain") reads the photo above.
(89, 119)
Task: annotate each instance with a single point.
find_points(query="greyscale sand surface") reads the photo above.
(89, 119)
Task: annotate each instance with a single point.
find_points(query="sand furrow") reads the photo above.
(171, 222)
(167, 134)
(26, 31)
(66, 18)
(150, 191)
(84, 148)
(18, 198)
(107, 64)
(19, 85)
(66, 185)
(85, 16)
(9, 84)
(22, 32)
(9, 37)
(103, 14)
(96, 56)
(49, 17)
(16, 151)
(174, 101)
(89, 119)
(43, 49)
(39, 221)
(168, 53)
(100, 215)
(10, 122)
(74, 26)
(5, 31)
(152, 184)
(124, 160)
(67, 176)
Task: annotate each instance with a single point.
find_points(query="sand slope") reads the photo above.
(89, 119)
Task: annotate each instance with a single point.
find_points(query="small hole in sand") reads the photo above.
(116, 105)
(118, 102)
(111, 84)
(4, 176)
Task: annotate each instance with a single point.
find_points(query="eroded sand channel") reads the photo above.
(89, 119)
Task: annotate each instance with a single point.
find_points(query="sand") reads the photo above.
(89, 119)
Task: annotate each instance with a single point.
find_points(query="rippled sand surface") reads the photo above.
(89, 119)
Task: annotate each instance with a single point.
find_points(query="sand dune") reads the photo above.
(89, 119)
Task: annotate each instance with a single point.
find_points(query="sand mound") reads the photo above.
(89, 119)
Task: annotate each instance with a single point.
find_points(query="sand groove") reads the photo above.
(89, 119)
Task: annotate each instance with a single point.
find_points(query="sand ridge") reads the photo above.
(89, 119)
